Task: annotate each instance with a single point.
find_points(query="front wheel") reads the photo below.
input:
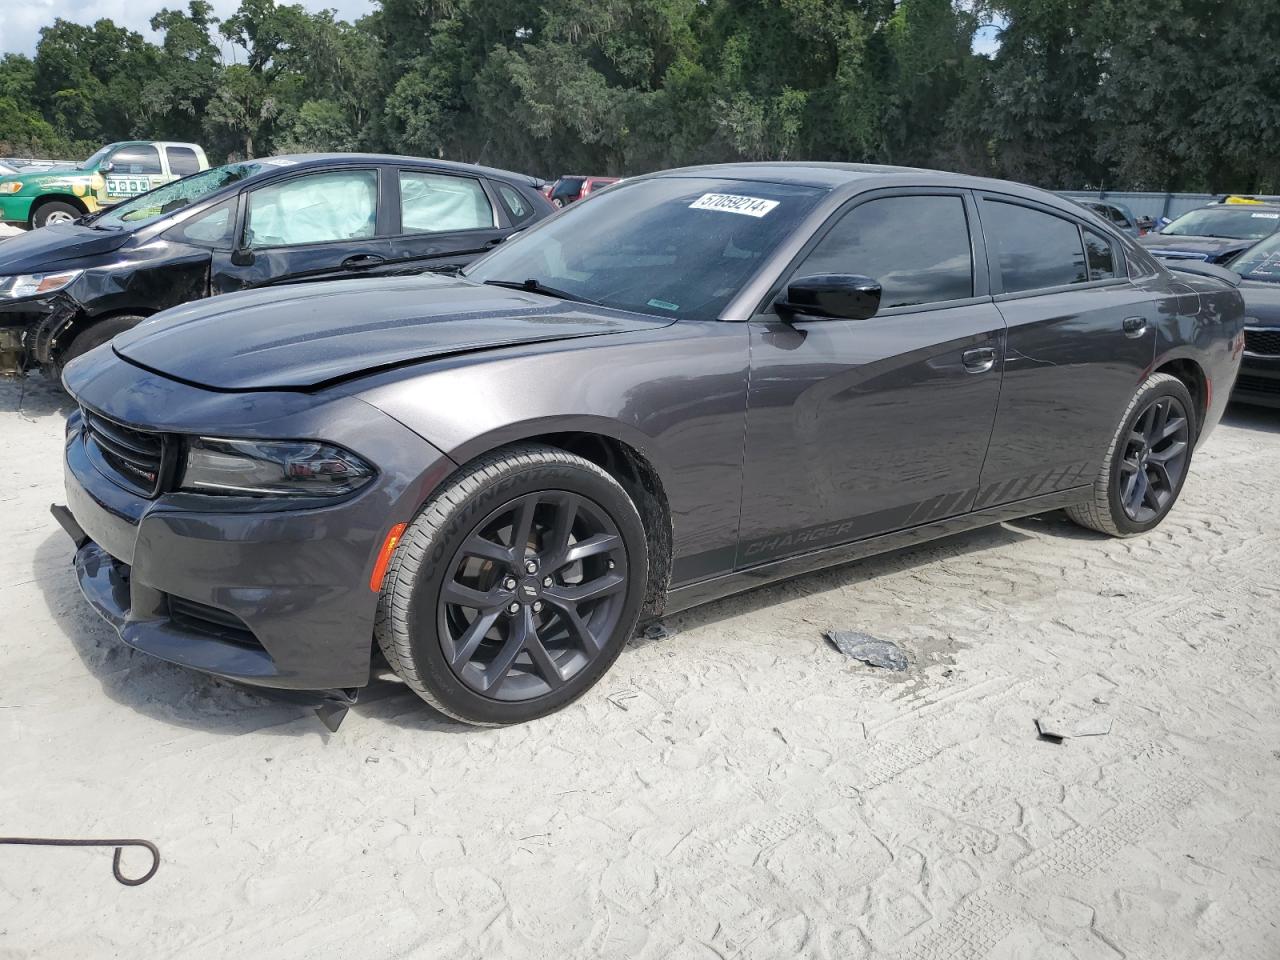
(516, 587)
(55, 211)
(1147, 463)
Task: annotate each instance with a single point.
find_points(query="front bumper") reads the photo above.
(15, 209)
(27, 327)
(264, 597)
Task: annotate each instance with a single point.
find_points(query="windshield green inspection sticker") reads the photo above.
(732, 203)
(663, 304)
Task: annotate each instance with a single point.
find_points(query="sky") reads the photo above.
(21, 20)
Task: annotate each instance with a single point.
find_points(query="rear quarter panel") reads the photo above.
(1202, 319)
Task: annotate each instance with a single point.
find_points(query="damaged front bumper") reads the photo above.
(29, 331)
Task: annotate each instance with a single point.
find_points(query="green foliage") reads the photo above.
(1172, 94)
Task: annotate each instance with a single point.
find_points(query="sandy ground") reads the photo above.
(8, 231)
(739, 790)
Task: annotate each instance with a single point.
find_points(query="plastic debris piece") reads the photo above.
(870, 650)
(1057, 729)
(657, 631)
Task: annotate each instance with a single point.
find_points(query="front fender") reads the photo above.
(675, 395)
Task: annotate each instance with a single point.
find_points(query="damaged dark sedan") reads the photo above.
(68, 287)
(693, 383)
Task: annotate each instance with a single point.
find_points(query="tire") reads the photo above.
(463, 544)
(96, 334)
(1150, 465)
(56, 210)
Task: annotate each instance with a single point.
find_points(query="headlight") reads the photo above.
(270, 468)
(35, 284)
(10, 186)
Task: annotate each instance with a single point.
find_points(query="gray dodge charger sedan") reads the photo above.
(690, 384)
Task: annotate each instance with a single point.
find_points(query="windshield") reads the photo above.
(173, 196)
(1234, 223)
(673, 246)
(97, 158)
(1261, 261)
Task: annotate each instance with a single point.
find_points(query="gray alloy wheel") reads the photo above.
(515, 588)
(55, 212)
(1147, 463)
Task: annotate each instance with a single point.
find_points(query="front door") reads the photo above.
(860, 427)
(1081, 338)
(312, 226)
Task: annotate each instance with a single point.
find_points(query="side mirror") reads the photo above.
(243, 257)
(106, 166)
(834, 296)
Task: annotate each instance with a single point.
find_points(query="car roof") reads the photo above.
(343, 159)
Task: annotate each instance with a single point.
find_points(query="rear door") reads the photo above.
(441, 221)
(860, 427)
(1081, 336)
(314, 225)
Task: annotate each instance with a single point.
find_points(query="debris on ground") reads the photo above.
(1057, 729)
(656, 631)
(870, 650)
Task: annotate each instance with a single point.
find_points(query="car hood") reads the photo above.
(1210, 248)
(307, 336)
(51, 246)
(1261, 302)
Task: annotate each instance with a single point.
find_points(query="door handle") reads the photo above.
(1134, 327)
(979, 359)
(363, 260)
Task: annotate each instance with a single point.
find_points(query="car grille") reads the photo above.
(135, 458)
(1263, 342)
(1250, 384)
(201, 618)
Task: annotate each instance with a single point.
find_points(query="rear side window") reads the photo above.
(137, 159)
(432, 202)
(182, 160)
(1033, 249)
(1102, 263)
(519, 208)
(916, 247)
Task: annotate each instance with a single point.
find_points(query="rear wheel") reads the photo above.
(515, 588)
(55, 211)
(1147, 464)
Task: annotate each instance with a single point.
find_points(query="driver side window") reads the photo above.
(916, 247)
(315, 208)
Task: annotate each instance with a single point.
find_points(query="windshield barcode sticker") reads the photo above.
(730, 203)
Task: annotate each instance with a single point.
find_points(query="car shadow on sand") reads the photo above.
(34, 396)
(1249, 417)
(185, 698)
(850, 574)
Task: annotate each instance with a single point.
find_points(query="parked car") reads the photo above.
(1259, 268)
(1118, 215)
(36, 198)
(1215, 233)
(568, 189)
(71, 286)
(689, 385)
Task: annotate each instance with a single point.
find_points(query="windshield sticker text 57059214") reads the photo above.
(732, 203)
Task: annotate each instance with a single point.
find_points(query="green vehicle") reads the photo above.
(116, 172)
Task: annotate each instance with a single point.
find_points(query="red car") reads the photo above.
(568, 189)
